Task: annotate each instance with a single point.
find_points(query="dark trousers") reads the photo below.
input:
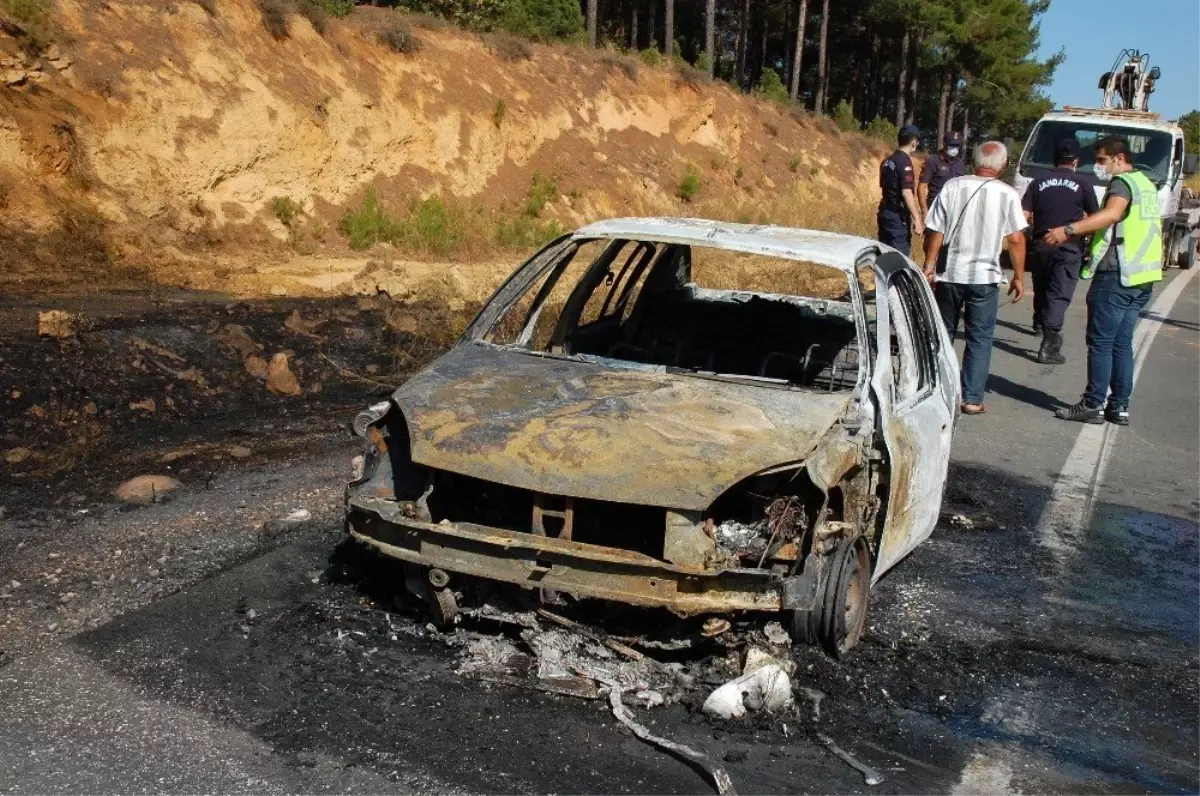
(1113, 312)
(976, 305)
(894, 230)
(1055, 275)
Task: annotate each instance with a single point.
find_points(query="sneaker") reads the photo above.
(1081, 413)
(1117, 415)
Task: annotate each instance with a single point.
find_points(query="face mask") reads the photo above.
(1101, 172)
(952, 152)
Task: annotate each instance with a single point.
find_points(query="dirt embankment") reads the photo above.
(153, 147)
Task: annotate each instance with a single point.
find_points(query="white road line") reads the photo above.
(1070, 505)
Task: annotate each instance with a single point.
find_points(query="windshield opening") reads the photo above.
(1151, 148)
(690, 309)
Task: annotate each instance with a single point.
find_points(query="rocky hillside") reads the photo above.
(183, 143)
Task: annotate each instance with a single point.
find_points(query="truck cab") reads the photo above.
(1158, 152)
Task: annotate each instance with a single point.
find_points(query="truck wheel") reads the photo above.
(836, 623)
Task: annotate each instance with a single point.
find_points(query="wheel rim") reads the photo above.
(853, 597)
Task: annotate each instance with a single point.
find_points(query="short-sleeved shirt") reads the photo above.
(939, 170)
(1110, 261)
(1058, 198)
(975, 215)
(895, 174)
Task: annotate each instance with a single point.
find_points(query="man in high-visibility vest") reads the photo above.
(1126, 260)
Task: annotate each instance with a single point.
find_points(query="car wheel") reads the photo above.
(837, 622)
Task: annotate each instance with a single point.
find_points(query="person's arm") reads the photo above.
(933, 248)
(1112, 212)
(914, 211)
(923, 196)
(1016, 253)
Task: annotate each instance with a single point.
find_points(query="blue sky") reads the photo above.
(1093, 32)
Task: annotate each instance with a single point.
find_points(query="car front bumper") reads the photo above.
(608, 573)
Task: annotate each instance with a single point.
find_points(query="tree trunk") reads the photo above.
(669, 29)
(822, 60)
(743, 38)
(943, 103)
(634, 44)
(652, 26)
(914, 75)
(902, 81)
(761, 64)
(798, 59)
(591, 21)
(966, 128)
(710, 25)
(874, 77)
(952, 106)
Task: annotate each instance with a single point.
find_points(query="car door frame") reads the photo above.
(916, 429)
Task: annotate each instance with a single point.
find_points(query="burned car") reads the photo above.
(704, 417)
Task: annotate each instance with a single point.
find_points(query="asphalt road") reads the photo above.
(1050, 647)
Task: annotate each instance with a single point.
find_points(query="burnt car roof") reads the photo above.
(824, 248)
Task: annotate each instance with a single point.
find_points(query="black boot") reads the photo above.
(1037, 324)
(1051, 351)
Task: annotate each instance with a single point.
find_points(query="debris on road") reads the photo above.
(280, 379)
(147, 489)
(767, 688)
(59, 324)
(718, 775)
(870, 775)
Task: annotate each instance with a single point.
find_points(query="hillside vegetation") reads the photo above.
(255, 146)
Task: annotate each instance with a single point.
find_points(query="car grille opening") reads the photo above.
(460, 498)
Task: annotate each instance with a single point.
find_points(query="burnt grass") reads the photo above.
(79, 406)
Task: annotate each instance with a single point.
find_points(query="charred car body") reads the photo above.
(704, 417)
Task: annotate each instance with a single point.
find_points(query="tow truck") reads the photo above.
(1157, 146)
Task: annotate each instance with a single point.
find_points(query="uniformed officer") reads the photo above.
(898, 215)
(1055, 199)
(940, 168)
(1125, 261)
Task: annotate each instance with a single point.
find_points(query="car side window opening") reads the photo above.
(699, 309)
(914, 342)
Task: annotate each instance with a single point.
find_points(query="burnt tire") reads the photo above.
(836, 623)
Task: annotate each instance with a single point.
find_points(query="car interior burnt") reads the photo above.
(641, 302)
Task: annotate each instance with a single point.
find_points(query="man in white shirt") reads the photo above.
(967, 226)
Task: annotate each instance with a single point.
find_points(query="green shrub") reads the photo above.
(399, 37)
(882, 129)
(499, 112)
(690, 74)
(542, 191)
(689, 186)
(543, 20)
(28, 11)
(843, 117)
(737, 175)
(334, 8)
(793, 164)
(471, 14)
(433, 226)
(369, 224)
(652, 57)
(703, 62)
(287, 210)
(525, 232)
(276, 17)
(770, 87)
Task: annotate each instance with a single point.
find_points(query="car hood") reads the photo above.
(588, 430)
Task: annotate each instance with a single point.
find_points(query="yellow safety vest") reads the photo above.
(1138, 237)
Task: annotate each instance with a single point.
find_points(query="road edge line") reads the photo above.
(1074, 492)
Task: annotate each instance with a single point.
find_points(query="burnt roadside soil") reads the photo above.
(175, 384)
